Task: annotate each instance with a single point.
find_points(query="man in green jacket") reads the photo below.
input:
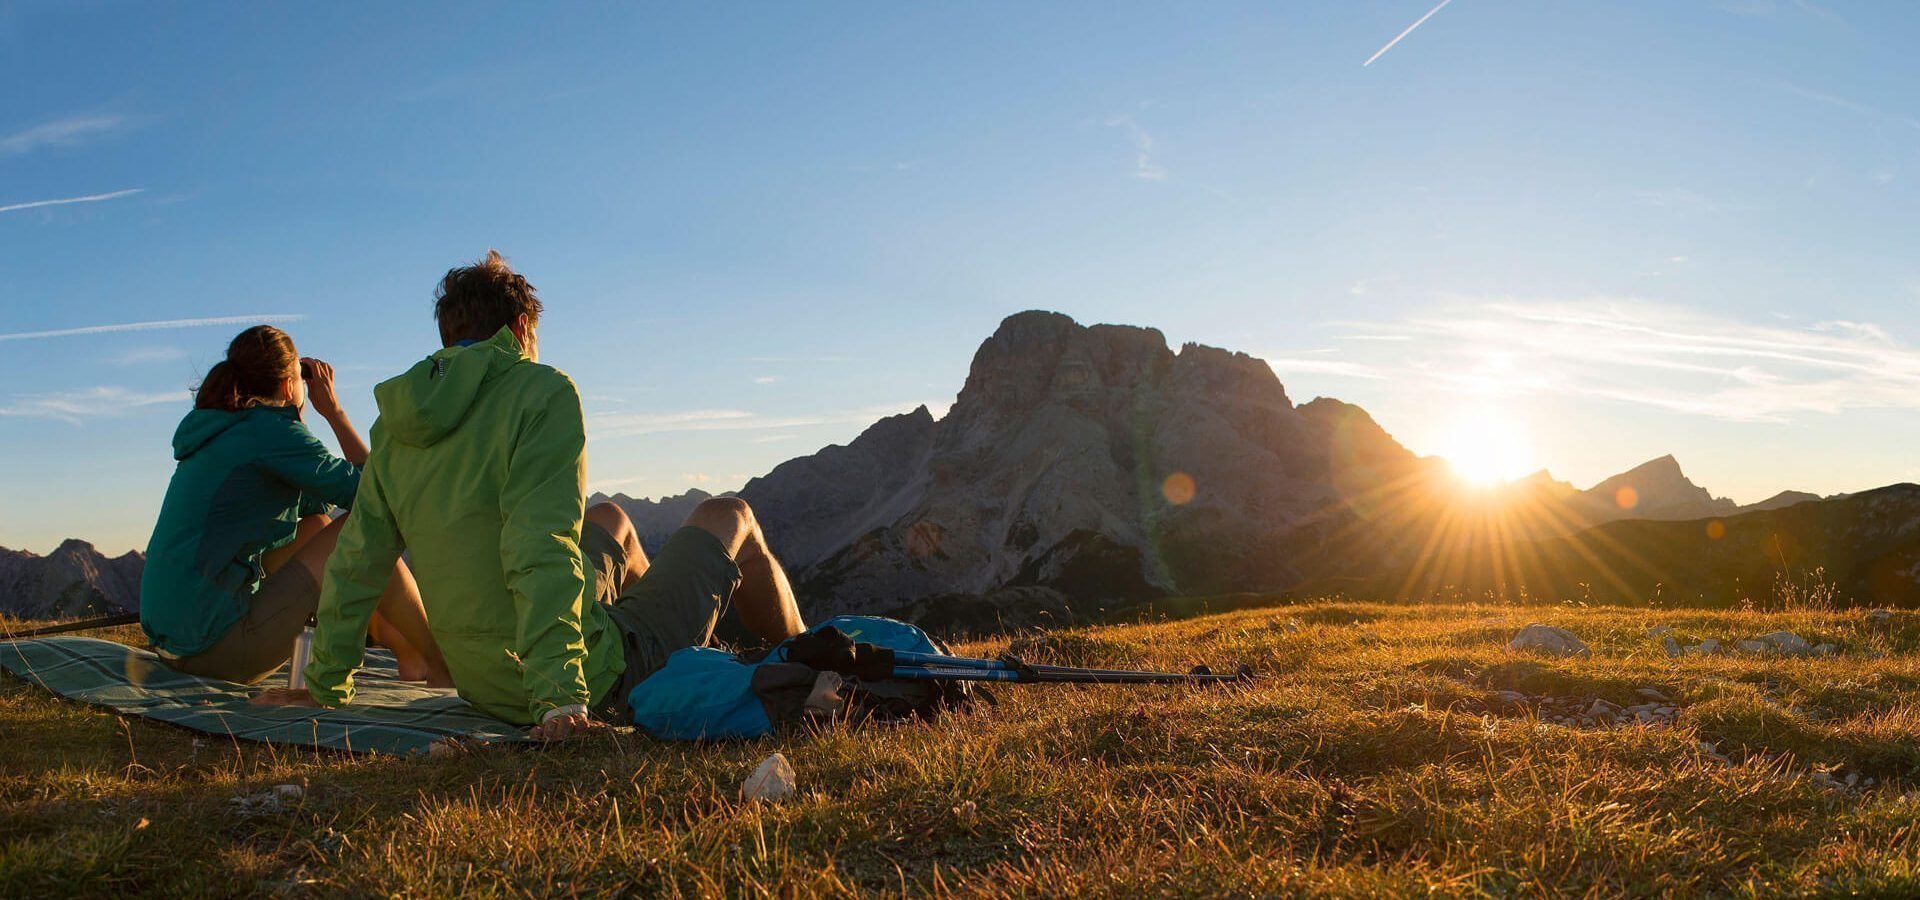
(548, 614)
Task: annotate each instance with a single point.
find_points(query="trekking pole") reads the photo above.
(82, 625)
(957, 668)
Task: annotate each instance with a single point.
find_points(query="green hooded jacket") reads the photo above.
(242, 483)
(478, 472)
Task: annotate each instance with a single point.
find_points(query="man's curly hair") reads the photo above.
(474, 302)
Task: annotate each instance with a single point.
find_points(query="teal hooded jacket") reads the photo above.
(242, 482)
(478, 473)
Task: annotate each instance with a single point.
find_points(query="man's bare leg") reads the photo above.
(764, 601)
(615, 521)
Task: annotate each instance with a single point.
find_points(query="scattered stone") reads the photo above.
(1291, 627)
(1672, 646)
(1786, 642)
(772, 780)
(1603, 709)
(1880, 616)
(1659, 631)
(1511, 697)
(1707, 647)
(1751, 646)
(1650, 693)
(1548, 639)
(1825, 649)
(287, 793)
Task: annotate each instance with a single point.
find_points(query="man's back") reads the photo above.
(477, 471)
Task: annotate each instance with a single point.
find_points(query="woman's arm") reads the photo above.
(320, 393)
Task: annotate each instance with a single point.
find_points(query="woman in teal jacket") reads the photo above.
(234, 566)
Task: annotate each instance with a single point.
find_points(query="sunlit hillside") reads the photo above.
(1388, 750)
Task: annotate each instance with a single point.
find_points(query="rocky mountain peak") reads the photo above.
(1659, 487)
(75, 579)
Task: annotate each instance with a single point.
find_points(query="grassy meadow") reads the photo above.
(1375, 758)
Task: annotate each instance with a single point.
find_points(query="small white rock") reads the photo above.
(1751, 646)
(1651, 693)
(288, 792)
(771, 780)
(1548, 639)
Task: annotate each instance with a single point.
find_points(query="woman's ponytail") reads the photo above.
(219, 390)
(258, 360)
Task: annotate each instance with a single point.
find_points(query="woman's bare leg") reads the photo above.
(400, 622)
(272, 560)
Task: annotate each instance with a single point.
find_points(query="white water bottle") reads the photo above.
(302, 651)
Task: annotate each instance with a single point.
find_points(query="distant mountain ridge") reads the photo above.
(1083, 469)
(1097, 462)
(74, 580)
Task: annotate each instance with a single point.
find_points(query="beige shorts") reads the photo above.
(262, 640)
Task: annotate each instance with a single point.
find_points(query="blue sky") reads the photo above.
(1633, 228)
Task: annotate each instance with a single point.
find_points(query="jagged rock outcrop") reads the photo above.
(816, 505)
(1090, 459)
(73, 580)
(1657, 489)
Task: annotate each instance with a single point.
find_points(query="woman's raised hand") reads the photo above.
(320, 392)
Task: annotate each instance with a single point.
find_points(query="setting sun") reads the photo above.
(1487, 448)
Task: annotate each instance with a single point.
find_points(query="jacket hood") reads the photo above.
(431, 399)
(201, 426)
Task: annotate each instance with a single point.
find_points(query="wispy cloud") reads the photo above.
(1144, 164)
(157, 325)
(1327, 367)
(616, 425)
(1691, 202)
(140, 356)
(1636, 352)
(767, 379)
(66, 132)
(1403, 35)
(1852, 106)
(77, 406)
(1770, 9)
(63, 201)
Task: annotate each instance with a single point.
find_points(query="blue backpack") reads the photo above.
(703, 693)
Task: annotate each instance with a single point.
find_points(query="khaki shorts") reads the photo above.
(262, 640)
(674, 605)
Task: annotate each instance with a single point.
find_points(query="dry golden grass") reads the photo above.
(1371, 762)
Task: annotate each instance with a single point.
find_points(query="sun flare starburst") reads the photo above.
(1487, 448)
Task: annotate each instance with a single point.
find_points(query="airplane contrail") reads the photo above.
(153, 326)
(1402, 35)
(91, 198)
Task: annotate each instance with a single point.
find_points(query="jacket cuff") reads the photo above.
(571, 709)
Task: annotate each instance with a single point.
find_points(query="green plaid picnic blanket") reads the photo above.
(387, 715)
